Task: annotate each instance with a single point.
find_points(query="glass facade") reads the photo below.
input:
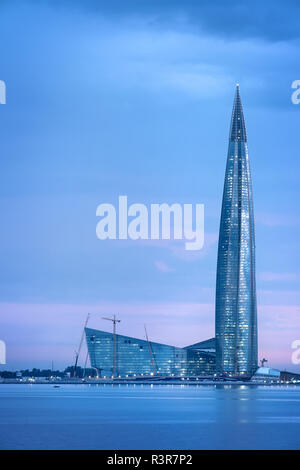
(137, 356)
(236, 324)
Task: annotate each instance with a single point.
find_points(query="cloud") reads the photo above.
(163, 267)
(167, 60)
(270, 20)
(177, 247)
(186, 61)
(279, 326)
(271, 276)
(134, 49)
(278, 296)
(279, 317)
(277, 220)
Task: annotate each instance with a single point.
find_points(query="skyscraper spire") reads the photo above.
(236, 324)
(237, 128)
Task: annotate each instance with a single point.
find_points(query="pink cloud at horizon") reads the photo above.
(36, 334)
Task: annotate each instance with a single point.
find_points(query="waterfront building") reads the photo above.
(135, 356)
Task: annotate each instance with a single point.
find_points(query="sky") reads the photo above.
(135, 98)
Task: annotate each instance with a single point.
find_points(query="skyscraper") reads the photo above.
(236, 323)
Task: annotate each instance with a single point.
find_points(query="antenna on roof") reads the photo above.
(263, 361)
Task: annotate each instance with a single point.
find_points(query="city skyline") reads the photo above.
(114, 103)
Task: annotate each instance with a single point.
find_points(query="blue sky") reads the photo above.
(105, 99)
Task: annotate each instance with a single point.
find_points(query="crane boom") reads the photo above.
(80, 344)
(150, 350)
(115, 321)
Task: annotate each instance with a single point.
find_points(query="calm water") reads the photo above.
(149, 417)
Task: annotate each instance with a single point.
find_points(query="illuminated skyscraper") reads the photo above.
(236, 323)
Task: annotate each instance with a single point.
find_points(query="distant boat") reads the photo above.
(56, 386)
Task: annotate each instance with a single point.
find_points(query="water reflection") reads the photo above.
(149, 416)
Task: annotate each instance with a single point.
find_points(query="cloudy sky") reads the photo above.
(118, 98)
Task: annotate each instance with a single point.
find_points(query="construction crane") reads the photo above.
(115, 321)
(80, 345)
(150, 351)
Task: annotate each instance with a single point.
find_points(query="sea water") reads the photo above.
(149, 417)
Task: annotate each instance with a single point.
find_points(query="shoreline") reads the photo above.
(143, 382)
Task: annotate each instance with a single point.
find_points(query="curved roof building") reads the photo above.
(133, 356)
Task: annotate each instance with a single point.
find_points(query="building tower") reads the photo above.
(236, 322)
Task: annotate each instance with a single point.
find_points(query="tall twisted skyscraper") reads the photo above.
(236, 323)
